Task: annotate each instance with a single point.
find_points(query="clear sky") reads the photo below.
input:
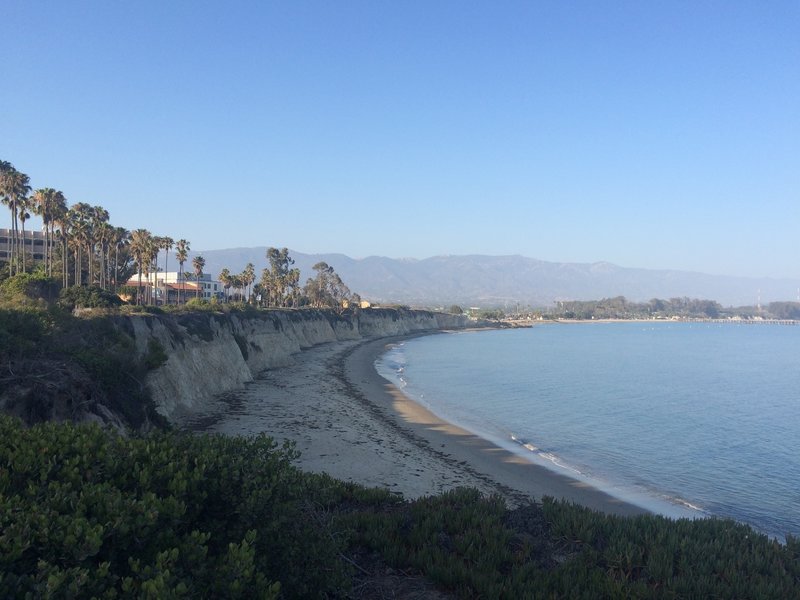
(657, 134)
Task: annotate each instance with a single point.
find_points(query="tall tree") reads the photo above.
(23, 204)
(326, 288)
(198, 262)
(14, 187)
(62, 221)
(141, 249)
(79, 235)
(97, 216)
(182, 254)
(279, 281)
(167, 243)
(248, 277)
(237, 283)
(50, 204)
(104, 234)
(226, 279)
(120, 237)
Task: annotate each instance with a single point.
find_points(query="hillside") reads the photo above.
(477, 280)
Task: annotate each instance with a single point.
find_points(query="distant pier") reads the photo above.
(752, 321)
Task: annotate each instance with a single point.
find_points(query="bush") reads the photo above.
(199, 304)
(29, 286)
(85, 513)
(87, 297)
(21, 331)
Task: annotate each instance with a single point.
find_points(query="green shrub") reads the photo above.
(27, 287)
(198, 304)
(87, 297)
(22, 331)
(86, 513)
(141, 309)
(156, 356)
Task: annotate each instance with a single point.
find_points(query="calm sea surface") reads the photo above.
(685, 419)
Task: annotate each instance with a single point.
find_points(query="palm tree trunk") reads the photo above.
(116, 263)
(23, 246)
(64, 264)
(166, 290)
(47, 249)
(90, 252)
(13, 263)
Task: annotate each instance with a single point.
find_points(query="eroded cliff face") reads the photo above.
(206, 354)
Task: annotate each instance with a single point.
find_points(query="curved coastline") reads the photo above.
(508, 473)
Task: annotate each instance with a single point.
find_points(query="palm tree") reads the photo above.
(53, 212)
(182, 254)
(77, 236)
(141, 242)
(119, 237)
(14, 187)
(96, 216)
(198, 262)
(167, 243)
(248, 277)
(81, 236)
(225, 279)
(237, 283)
(62, 221)
(22, 206)
(151, 268)
(103, 235)
(48, 203)
(7, 193)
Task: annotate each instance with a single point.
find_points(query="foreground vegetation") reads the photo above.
(88, 513)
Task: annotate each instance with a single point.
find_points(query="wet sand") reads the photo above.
(348, 421)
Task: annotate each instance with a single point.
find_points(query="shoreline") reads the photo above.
(512, 476)
(348, 421)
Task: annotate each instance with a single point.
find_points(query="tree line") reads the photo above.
(82, 248)
(621, 308)
(279, 285)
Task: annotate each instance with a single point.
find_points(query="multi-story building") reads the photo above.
(33, 242)
(185, 288)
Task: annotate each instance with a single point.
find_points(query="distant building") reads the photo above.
(33, 241)
(177, 287)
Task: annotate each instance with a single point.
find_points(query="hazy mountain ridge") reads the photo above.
(480, 280)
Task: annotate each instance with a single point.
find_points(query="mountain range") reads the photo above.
(490, 281)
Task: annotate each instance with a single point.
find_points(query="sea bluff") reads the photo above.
(208, 354)
(345, 419)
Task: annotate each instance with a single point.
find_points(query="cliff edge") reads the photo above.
(206, 354)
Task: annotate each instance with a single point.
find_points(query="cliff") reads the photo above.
(201, 355)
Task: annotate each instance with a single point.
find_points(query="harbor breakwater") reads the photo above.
(203, 354)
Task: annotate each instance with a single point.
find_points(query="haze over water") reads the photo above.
(683, 418)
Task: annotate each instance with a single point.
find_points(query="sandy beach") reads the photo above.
(348, 421)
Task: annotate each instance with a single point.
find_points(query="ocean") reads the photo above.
(685, 419)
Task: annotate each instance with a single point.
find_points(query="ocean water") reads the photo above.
(686, 419)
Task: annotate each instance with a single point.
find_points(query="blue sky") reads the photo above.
(649, 134)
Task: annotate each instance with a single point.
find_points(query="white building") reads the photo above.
(187, 286)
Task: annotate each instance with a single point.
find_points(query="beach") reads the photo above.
(348, 421)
